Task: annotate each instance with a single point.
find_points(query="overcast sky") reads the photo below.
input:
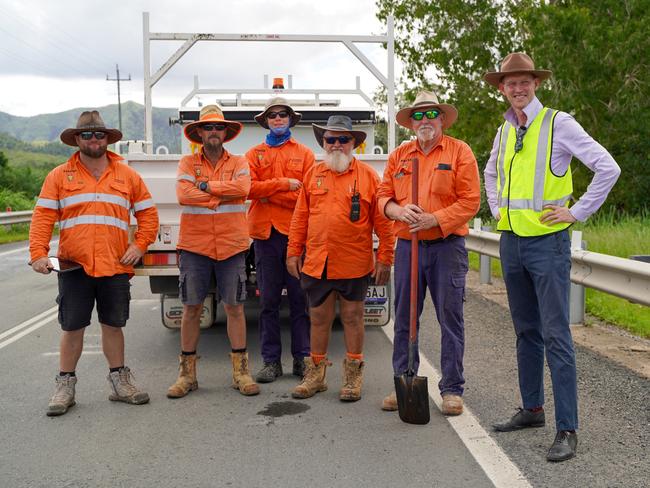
(55, 55)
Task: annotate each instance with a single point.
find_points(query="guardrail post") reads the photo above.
(485, 261)
(577, 292)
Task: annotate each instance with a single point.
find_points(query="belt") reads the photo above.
(427, 243)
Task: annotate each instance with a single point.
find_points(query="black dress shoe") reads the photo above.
(564, 446)
(523, 419)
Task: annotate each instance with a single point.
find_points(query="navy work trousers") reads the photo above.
(536, 271)
(442, 268)
(272, 277)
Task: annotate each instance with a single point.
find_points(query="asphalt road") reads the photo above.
(216, 437)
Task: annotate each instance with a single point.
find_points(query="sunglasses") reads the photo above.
(211, 127)
(283, 114)
(88, 135)
(429, 114)
(341, 139)
(519, 142)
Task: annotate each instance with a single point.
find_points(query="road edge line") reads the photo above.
(496, 464)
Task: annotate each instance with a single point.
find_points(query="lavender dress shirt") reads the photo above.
(569, 140)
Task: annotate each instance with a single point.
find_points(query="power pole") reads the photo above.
(119, 100)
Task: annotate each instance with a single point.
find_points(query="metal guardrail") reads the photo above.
(621, 277)
(20, 217)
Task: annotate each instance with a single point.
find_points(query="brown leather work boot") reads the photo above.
(241, 378)
(452, 405)
(389, 404)
(352, 379)
(314, 379)
(186, 381)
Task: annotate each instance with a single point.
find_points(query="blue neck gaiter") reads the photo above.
(278, 136)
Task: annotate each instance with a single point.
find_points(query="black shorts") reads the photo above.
(317, 289)
(78, 293)
(199, 274)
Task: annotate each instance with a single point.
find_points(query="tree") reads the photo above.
(596, 50)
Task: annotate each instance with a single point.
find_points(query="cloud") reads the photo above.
(74, 44)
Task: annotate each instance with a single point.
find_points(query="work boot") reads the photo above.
(452, 405)
(269, 372)
(352, 379)
(241, 378)
(186, 381)
(123, 389)
(313, 380)
(63, 397)
(523, 419)
(299, 367)
(389, 403)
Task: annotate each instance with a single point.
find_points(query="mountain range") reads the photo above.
(47, 127)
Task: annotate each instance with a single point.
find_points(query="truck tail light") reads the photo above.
(160, 259)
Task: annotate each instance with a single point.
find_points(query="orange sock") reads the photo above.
(351, 356)
(317, 358)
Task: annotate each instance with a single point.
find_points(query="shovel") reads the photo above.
(412, 391)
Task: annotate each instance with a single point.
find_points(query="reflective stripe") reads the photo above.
(540, 161)
(523, 204)
(143, 205)
(243, 172)
(221, 209)
(505, 130)
(186, 177)
(93, 219)
(47, 203)
(94, 197)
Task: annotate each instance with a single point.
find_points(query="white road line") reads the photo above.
(497, 466)
(34, 327)
(28, 322)
(25, 248)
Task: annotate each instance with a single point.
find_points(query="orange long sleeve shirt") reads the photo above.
(213, 222)
(93, 215)
(321, 223)
(272, 202)
(448, 186)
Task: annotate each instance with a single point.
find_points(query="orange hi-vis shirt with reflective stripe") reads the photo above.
(448, 186)
(321, 223)
(213, 222)
(93, 215)
(272, 202)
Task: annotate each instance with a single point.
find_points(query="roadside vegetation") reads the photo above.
(608, 233)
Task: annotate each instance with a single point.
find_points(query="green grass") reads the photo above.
(609, 233)
(14, 233)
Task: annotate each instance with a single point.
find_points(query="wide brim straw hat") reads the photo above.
(423, 101)
(211, 114)
(89, 121)
(278, 102)
(514, 64)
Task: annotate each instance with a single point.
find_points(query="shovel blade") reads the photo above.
(412, 398)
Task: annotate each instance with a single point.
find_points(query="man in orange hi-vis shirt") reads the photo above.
(91, 196)
(332, 227)
(212, 186)
(278, 166)
(449, 195)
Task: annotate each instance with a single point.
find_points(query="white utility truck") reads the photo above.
(158, 168)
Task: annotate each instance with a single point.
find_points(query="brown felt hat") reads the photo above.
(89, 121)
(516, 63)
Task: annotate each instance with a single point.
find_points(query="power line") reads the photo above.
(119, 100)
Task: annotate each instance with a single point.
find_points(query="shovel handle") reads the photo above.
(413, 315)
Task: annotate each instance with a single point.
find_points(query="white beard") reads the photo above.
(338, 161)
(426, 134)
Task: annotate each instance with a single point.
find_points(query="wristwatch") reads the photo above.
(203, 186)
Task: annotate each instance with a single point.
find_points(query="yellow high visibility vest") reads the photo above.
(525, 181)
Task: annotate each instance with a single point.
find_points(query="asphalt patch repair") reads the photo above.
(280, 409)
